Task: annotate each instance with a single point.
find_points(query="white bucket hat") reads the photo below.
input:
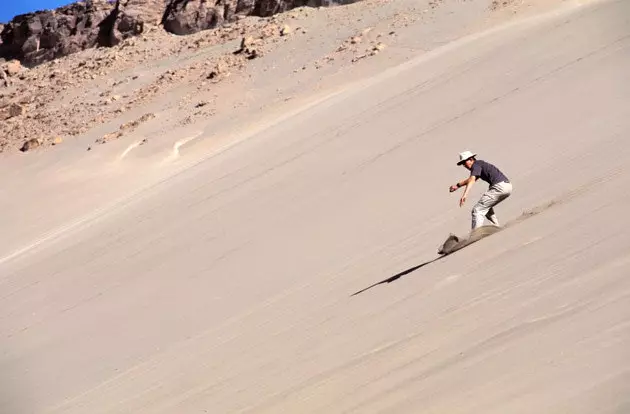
(463, 156)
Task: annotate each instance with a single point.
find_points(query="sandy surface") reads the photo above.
(211, 269)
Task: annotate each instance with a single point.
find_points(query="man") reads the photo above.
(499, 189)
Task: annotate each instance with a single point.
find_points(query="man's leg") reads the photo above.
(492, 217)
(480, 210)
(484, 207)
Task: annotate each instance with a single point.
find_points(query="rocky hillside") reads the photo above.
(157, 84)
(39, 37)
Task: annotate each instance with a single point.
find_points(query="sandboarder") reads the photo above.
(499, 189)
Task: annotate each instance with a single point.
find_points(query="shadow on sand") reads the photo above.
(398, 275)
(450, 246)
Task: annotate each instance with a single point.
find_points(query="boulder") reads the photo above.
(31, 144)
(286, 30)
(11, 111)
(12, 68)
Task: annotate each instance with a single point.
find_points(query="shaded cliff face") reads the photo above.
(38, 37)
(183, 17)
(42, 36)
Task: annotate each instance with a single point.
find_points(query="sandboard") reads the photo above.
(451, 245)
(454, 243)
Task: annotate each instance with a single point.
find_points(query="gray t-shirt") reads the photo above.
(487, 172)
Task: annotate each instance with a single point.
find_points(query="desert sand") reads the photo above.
(206, 264)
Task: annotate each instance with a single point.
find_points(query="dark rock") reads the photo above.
(183, 17)
(247, 48)
(266, 8)
(245, 7)
(38, 37)
(31, 144)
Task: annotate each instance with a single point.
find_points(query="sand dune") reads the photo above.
(220, 280)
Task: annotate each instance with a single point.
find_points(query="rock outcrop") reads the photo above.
(38, 37)
(183, 17)
(42, 36)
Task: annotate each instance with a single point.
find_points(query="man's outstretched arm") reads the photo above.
(462, 183)
(469, 183)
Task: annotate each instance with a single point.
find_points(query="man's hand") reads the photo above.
(453, 188)
(462, 201)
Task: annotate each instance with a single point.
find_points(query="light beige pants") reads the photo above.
(484, 209)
